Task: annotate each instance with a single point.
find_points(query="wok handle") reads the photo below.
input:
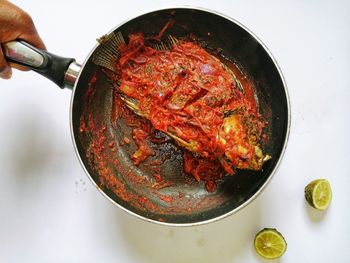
(60, 70)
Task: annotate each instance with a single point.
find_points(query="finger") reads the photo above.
(17, 66)
(31, 35)
(5, 70)
(33, 39)
(25, 27)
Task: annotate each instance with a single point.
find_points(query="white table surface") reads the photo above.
(49, 210)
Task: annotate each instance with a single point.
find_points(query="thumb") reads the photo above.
(33, 38)
(5, 70)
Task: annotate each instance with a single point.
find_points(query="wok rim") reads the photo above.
(270, 175)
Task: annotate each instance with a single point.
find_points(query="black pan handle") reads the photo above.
(60, 70)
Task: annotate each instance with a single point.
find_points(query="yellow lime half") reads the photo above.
(318, 194)
(270, 244)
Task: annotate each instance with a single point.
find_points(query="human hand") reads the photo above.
(15, 24)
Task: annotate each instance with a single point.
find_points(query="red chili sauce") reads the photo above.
(187, 92)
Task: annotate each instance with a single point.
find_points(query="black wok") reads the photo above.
(98, 136)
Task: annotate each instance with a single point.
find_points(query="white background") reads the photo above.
(49, 210)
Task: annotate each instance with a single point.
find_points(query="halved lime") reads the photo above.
(318, 194)
(270, 244)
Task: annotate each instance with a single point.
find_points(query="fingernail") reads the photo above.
(6, 73)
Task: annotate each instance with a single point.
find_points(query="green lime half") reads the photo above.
(270, 244)
(318, 194)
